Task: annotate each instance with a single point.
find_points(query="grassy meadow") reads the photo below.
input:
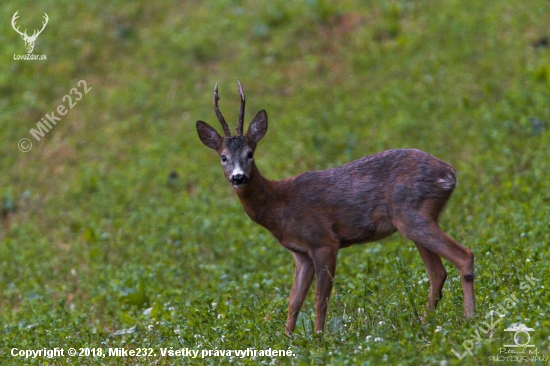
(118, 228)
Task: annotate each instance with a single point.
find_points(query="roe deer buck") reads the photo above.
(316, 213)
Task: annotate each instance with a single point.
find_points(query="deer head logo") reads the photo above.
(29, 40)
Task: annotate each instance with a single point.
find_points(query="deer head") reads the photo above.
(236, 152)
(29, 40)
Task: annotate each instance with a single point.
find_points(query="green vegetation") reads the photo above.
(99, 247)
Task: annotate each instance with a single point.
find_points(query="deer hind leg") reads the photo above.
(303, 277)
(426, 233)
(436, 274)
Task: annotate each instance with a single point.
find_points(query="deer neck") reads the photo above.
(259, 199)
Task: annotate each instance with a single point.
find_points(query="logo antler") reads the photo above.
(15, 16)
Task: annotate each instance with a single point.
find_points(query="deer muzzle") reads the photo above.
(238, 179)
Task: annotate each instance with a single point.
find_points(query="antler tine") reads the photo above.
(13, 19)
(46, 18)
(219, 114)
(241, 113)
(36, 31)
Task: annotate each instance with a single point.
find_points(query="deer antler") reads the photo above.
(219, 114)
(13, 19)
(241, 113)
(35, 34)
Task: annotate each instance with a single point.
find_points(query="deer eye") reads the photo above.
(250, 155)
(224, 159)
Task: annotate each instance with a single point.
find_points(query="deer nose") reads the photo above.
(238, 179)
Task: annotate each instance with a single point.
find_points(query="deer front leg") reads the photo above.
(303, 276)
(324, 259)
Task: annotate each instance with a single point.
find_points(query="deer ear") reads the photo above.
(208, 135)
(258, 127)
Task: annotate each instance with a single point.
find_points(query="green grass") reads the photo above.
(93, 232)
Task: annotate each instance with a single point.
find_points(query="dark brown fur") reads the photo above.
(354, 203)
(314, 214)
